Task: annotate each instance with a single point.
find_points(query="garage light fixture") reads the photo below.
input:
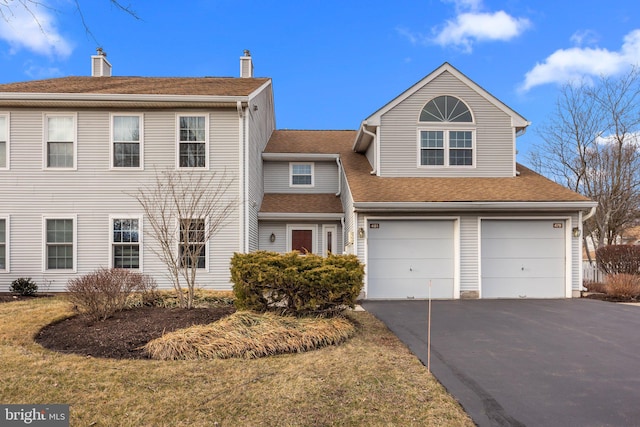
(576, 232)
(272, 238)
(361, 233)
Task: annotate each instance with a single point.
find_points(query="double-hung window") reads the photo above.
(301, 174)
(59, 243)
(4, 237)
(193, 141)
(125, 242)
(192, 244)
(126, 134)
(4, 141)
(60, 141)
(446, 134)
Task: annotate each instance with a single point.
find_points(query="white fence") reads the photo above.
(591, 273)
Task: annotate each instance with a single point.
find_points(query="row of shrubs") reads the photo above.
(289, 284)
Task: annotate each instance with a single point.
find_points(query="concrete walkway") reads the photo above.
(529, 362)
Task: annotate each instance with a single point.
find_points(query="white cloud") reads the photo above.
(471, 25)
(34, 29)
(584, 37)
(565, 65)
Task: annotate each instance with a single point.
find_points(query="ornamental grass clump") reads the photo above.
(250, 335)
(624, 286)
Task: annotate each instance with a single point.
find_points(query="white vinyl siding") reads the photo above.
(127, 136)
(60, 146)
(4, 142)
(94, 192)
(258, 125)
(494, 137)
(277, 178)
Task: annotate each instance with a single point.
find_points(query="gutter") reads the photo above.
(286, 157)
(469, 206)
(278, 216)
(591, 213)
(11, 99)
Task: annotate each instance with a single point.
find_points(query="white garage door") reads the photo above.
(404, 255)
(523, 258)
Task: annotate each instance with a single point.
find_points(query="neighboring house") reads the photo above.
(427, 191)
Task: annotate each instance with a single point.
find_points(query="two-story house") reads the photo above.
(426, 192)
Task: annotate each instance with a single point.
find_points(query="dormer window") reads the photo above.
(301, 174)
(446, 136)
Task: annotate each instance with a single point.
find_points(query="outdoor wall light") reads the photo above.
(361, 233)
(576, 232)
(272, 237)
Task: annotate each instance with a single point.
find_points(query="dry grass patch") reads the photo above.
(250, 335)
(371, 379)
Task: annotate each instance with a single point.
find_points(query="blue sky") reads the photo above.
(335, 62)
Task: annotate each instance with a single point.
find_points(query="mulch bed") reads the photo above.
(123, 335)
(610, 298)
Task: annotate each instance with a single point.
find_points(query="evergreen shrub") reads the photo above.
(24, 287)
(295, 284)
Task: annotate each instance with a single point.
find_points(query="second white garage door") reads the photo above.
(404, 255)
(523, 258)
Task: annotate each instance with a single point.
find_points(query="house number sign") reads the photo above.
(557, 225)
(374, 225)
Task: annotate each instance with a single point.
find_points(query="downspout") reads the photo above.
(584, 244)
(339, 176)
(244, 222)
(375, 146)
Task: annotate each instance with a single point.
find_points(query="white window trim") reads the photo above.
(74, 218)
(140, 239)
(7, 245)
(314, 235)
(446, 128)
(292, 164)
(7, 138)
(112, 142)
(206, 139)
(206, 245)
(45, 134)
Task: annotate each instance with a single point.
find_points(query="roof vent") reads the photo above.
(246, 65)
(100, 67)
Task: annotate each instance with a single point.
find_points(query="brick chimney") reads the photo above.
(246, 65)
(100, 67)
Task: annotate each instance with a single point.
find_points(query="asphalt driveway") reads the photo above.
(569, 362)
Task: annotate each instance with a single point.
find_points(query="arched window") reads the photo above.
(445, 109)
(447, 136)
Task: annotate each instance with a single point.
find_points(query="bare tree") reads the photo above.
(185, 210)
(8, 7)
(591, 146)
